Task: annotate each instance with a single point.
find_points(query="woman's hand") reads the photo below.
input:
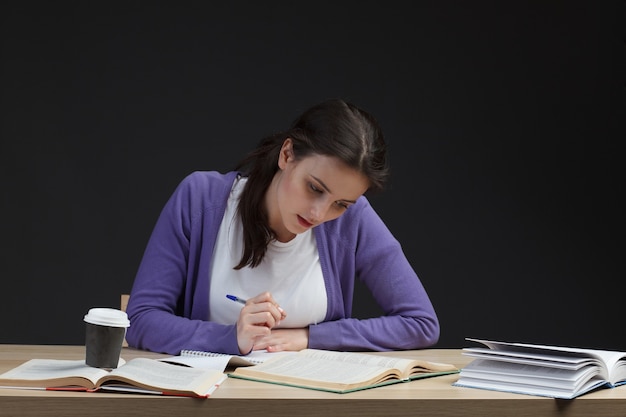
(256, 319)
(278, 340)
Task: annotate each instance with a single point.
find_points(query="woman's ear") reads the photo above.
(286, 153)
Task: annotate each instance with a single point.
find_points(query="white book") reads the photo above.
(550, 371)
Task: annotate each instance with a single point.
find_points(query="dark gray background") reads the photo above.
(504, 122)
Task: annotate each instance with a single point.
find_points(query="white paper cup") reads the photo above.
(105, 331)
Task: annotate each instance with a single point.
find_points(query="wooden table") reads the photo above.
(235, 397)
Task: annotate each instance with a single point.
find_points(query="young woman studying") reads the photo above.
(286, 234)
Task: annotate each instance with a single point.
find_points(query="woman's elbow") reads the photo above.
(429, 332)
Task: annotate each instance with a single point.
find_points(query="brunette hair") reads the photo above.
(332, 128)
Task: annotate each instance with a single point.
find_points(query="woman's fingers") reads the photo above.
(262, 316)
(256, 319)
(265, 302)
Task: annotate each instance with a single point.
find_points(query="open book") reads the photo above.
(340, 371)
(549, 371)
(139, 375)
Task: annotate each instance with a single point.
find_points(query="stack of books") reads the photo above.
(549, 371)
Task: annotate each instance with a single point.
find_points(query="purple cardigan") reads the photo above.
(168, 307)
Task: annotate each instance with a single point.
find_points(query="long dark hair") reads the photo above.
(331, 128)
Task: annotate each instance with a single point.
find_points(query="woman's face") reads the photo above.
(311, 191)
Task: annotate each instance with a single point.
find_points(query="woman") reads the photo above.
(288, 232)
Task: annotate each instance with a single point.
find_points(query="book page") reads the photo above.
(611, 363)
(137, 390)
(406, 367)
(314, 368)
(52, 372)
(528, 358)
(401, 365)
(154, 374)
(530, 375)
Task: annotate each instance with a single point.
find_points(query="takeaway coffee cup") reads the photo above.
(106, 328)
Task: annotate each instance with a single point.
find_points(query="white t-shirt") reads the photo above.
(290, 271)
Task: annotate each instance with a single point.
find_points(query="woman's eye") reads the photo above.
(313, 187)
(342, 204)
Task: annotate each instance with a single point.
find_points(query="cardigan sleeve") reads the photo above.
(360, 246)
(168, 306)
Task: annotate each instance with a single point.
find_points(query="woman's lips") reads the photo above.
(304, 223)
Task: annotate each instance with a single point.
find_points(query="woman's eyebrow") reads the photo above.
(324, 186)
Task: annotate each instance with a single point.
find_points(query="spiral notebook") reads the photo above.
(220, 361)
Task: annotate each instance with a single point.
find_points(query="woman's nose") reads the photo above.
(318, 211)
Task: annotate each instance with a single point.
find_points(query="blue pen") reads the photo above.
(235, 298)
